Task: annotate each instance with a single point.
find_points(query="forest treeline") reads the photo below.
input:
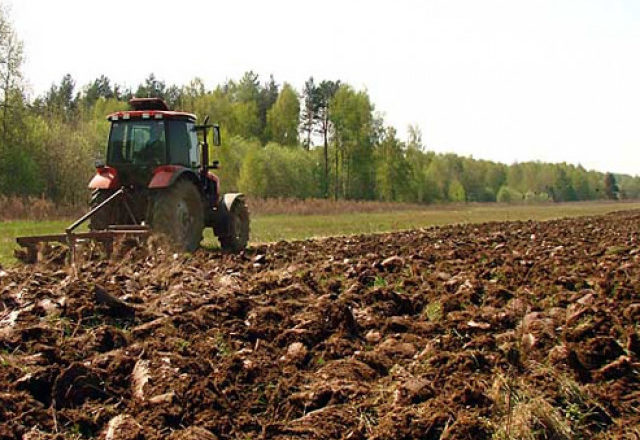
(324, 141)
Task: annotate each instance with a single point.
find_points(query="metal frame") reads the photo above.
(106, 237)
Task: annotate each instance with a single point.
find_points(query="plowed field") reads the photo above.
(522, 330)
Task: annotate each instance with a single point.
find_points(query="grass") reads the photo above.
(268, 228)
(433, 311)
(9, 230)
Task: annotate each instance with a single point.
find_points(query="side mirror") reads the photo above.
(216, 135)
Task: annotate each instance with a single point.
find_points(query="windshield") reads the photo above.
(137, 142)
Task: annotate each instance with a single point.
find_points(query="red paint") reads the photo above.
(216, 184)
(137, 115)
(213, 177)
(105, 178)
(163, 175)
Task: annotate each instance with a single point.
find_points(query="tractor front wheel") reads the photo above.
(178, 214)
(237, 236)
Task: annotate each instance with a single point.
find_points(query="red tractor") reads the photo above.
(156, 154)
(157, 175)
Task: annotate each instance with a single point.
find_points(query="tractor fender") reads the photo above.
(230, 199)
(221, 221)
(166, 175)
(105, 178)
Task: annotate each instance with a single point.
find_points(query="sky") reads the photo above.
(504, 80)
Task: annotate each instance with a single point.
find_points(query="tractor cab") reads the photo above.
(150, 136)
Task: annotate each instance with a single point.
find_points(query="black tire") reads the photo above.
(177, 213)
(108, 215)
(238, 228)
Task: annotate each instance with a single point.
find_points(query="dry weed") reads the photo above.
(36, 208)
(323, 206)
(526, 414)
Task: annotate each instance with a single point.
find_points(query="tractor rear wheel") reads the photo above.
(178, 214)
(107, 215)
(238, 232)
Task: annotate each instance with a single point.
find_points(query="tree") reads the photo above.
(509, 195)
(278, 171)
(391, 167)
(191, 93)
(495, 177)
(247, 89)
(60, 98)
(420, 186)
(580, 182)
(352, 117)
(11, 58)
(415, 138)
(245, 120)
(47, 148)
(283, 117)
(611, 186)
(151, 88)
(194, 89)
(173, 97)
(563, 188)
(472, 178)
(267, 97)
(457, 192)
(629, 187)
(325, 93)
(99, 88)
(244, 98)
(309, 117)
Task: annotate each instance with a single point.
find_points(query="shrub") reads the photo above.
(277, 171)
(531, 197)
(509, 195)
(457, 192)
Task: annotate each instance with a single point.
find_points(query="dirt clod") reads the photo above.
(123, 427)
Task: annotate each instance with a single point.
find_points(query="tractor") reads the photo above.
(157, 178)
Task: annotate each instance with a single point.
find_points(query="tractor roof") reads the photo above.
(150, 114)
(148, 104)
(150, 108)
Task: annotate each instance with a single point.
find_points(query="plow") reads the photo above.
(70, 237)
(156, 179)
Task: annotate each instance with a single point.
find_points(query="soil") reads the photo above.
(498, 330)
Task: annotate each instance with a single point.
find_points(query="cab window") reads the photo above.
(194, 155)
(183, 144)
(137, 142)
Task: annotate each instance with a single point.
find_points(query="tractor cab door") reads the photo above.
(183, 144)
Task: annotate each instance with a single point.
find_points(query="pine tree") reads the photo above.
(309, 116)
(611, 186)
